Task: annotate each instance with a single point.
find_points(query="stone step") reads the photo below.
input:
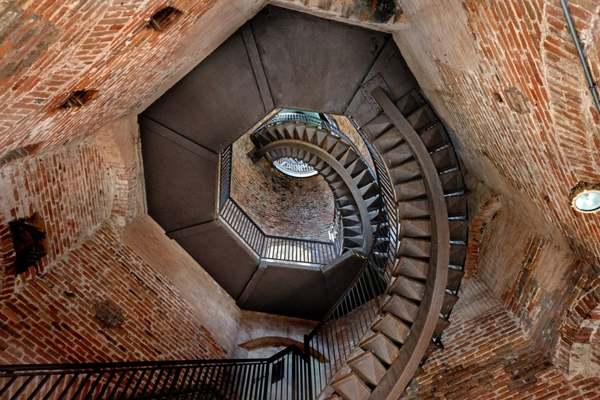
(410, 190)
(397, 155)
(407, 288)
(422, 118)
(435, 137)
(404, 172)
(415, 228)
(415, 248)
(392, 327)
(351, 387)
(382, 347)
(411, 268)
(410, 103)
(445, 159)
(368, 368)
(401, 308)
(377, 126)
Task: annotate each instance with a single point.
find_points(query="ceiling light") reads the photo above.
(585, 197)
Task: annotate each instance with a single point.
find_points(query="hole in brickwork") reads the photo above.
(15, 154)
(79, 98)
(108, 313)
(163, 18)
(29, 242)
(498, 97)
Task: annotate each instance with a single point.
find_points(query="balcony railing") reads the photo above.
(283, 376)
(291, 374)
(268, 246)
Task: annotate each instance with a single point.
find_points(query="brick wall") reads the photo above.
(52, 319)
(534, 280)
(488, 356)
(50, 48)
(577, 350)
(280, 205)
(70, 190)
(514, 94)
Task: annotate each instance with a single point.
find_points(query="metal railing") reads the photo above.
(285, 375)
(291, 374)
(390, 208)
(342, 328)
(268, 246)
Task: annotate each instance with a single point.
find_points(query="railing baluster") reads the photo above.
(8, 385)
(81, 385)
(138, 383)
(53, 388)
(23, 386)
(69, 384)
(124, 392)
(39, 387)
(106, 384)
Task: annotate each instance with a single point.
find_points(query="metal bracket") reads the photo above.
(376, 81)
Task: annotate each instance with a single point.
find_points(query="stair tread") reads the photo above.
(382, 347)
(351, 387)
(367, 367)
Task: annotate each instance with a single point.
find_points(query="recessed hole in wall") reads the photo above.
(79, 98)
(498, 97)
(163, 18)
(29, 242)
(108, 313)
(15, 154)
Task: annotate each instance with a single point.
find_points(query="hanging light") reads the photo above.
(585, 197)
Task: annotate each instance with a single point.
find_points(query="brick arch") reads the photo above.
(585, 302)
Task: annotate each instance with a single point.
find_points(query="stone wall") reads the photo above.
(514, 96)
(53, 318)
(88, 197)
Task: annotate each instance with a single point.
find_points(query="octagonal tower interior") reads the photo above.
(504, 77)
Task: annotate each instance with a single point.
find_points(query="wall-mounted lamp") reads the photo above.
(585, 197)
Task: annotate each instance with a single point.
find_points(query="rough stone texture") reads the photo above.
(103, 246)
(503, 75)
(280, 205)
(576, 351)
(488, 356)
(534, 279)
(51, 48)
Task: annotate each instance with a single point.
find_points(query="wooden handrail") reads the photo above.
(403, 369)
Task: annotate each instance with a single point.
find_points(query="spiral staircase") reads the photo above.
(407, 220)
(419, 161)
(353, 186)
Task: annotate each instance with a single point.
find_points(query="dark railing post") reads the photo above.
(307, 356)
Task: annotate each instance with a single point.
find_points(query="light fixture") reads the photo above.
(585, 197)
